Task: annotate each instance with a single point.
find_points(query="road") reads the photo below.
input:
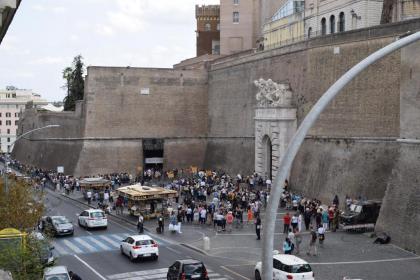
(95, 254)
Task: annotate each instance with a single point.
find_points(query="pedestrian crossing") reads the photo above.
(89, 244)
(158, 274)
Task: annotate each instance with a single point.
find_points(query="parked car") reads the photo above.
(187, 269)
(93, 218)
(139, 246)
(56, 273)
(287, 267)
(57, 225)
(366, 212)
(43, 246)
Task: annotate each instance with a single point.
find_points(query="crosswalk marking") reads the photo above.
(157, 274)
(89, 244)
(99, 244)
(84, 244)
(109, 240)
(72, 246)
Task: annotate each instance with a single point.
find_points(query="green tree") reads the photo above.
(75, 84)
(21, 207)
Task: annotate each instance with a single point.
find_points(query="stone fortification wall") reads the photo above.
(400, 213)
(351, 166)
(368, 107)
(119, 117)
(51, 147)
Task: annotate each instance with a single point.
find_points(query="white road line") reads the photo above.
(85, 244)
(235, 273)
(369, 261)
(120, 237)
(97, 242)
(148, 277)
(137, 273)
(114, 244)
(91, 268)
(72, 246)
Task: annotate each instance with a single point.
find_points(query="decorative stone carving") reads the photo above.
(271, 94)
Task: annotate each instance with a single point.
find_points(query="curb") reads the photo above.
(194, 249)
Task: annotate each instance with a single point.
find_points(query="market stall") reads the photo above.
(149, 201)
(95, 185)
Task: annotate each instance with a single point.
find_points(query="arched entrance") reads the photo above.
(268, 156)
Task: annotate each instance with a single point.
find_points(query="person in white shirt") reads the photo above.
(89, 196)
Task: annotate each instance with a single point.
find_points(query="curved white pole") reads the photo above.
(31, 131)
(296, 142)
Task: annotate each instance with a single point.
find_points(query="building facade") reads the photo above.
(332, 16)
(208, 29)
(12, 103)
(286, 25)
(405, 10)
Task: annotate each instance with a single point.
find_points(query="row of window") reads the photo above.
(207, 27)
(7, 131)
(341, 24)
(9, 122)
(9, 115)
(11, 106)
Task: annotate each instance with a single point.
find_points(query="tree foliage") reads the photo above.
(75, 84)
(24, 262)
(21, 207)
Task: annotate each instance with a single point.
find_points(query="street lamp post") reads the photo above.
(296, 142)
(6, 164)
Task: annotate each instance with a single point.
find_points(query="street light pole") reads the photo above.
(296, 142)
(6, 164)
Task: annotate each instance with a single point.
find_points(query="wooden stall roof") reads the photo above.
(94, 182)
(138, 192)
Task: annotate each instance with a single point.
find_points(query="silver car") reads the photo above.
(56, 273)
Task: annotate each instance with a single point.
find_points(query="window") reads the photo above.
(309, 32)
(0, 123)
(8, 115)
(8, 139)
(8, 131)
(207, 27)
(8, 122)
(16, 115)
(236, 2)
(332, 24)
(323, 26)
(236, 17)
(0, 114)
(341, 22)
(16, 122)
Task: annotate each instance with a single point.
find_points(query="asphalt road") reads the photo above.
(94, 254)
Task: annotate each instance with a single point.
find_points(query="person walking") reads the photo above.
(298, 240)
(89, 196)
(140, 223)
(307, 218)
(287, 246)
(312, 243)
(258, 227)
(286, 223)
(161, 224)
(295, 221)
(321, 236)
(249, 215)
(229, 221)
(325, 219)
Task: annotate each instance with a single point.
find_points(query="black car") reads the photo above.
(187, 269)
(366, 212)
(57, 225)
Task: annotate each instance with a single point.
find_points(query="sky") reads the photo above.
(45, 36)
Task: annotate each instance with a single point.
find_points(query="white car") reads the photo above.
(56, 273)
(93, 218)
(139, 246)
(287, 267)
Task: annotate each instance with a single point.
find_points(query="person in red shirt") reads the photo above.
(286, 223)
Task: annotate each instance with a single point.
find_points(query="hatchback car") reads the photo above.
(57, 225)
(93, 218)
(187, 269)
(287, 267)
(139, 246)
(56, 273)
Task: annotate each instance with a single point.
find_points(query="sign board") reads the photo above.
(155, 160)
(60, 169)
(144, 91)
